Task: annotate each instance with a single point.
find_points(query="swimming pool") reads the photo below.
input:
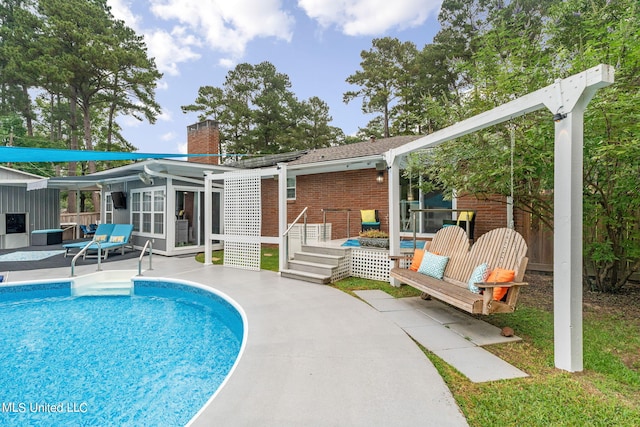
(153, 358)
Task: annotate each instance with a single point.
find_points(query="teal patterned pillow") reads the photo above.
(480, 274)
(433, 265)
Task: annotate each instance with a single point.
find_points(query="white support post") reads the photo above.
(567, 242)
(394, 212)
(208, 215)
(282, 214)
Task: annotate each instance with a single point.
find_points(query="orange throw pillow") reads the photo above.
(417, 259)
(500, 275)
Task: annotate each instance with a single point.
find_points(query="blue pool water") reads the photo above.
(405, 244)
(154, 358)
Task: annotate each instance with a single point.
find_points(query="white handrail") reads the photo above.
(304, 211)
(148, 244)
(304, 232)
(82, 251)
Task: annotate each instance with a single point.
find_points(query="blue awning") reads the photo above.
(33, 155)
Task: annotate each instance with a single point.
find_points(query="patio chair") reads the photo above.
(118, 239)
(101, 235)
(4, 277)
(370, 220)
(86, 231)
(463, 218)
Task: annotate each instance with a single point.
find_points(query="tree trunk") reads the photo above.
(73, 145)
(88, 146)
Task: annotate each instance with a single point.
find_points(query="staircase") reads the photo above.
(316, 264)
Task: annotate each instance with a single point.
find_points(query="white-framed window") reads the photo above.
(291, 188)
(108, 209)
(148, 211)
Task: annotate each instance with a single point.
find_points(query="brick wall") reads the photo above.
(490, 214)
(204, 138)
(353, 190)
(357, 190)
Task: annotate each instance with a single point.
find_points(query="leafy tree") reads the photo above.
(84, 65)
(584, 34)
(495, 51)
(17, 35)
(257, 113)
(384, 76)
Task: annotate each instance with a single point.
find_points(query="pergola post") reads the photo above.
(567, 242)
(208, 215)
(394, 212)
(282, 215)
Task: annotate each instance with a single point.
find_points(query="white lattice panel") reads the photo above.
(242, 255)
(242, 220)
(370, 264)
(343, 270)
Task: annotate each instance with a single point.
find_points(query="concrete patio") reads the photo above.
(315, 356)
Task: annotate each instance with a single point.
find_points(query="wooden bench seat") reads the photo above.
(500, 248)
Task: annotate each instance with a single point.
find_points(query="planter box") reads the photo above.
(374, 242)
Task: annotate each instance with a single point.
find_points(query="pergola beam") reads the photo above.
(569, 97)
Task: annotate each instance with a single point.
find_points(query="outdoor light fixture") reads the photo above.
(380, 177)
(558, 117)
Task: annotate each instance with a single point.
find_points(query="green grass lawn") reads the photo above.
(606, 393)
(268, 260)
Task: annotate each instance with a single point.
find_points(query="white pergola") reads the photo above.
(569, 97)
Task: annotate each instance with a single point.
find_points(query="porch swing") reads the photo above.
(455, 273)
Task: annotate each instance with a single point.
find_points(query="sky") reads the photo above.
(317, 43)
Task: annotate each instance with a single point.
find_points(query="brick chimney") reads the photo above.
(204, 138)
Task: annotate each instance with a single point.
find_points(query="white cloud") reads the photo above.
(170, 49)
(369, 17)
(121, 9)
(228, 26)
(168, 136)
(165, 116)
(182, 147)
(162, 84)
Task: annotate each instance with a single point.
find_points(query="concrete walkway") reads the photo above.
(453, 336)
(315, 356)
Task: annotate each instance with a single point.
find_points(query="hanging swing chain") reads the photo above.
(513, 149)
(510, 232)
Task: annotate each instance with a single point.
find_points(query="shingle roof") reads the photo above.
(265, 161)
(339, 152)
(352, 151)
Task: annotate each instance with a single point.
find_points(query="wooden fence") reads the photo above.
(70, 223)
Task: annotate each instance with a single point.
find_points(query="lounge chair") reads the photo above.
(101, 235)
(370, 220)
(118, 239)
(4, 277)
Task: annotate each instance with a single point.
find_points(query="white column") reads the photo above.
(394, 212)
(567, 242)
(208, 215)
(282, 214)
